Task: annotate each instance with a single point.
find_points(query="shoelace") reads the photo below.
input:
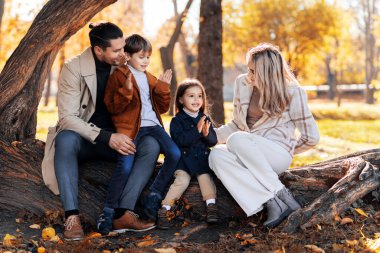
(134, 214)
(71, 221)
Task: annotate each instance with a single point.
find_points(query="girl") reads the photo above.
(193, 133)
(269, 106)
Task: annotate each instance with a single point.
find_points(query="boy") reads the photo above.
(135, 99)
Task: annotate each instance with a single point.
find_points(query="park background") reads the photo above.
(332, 47)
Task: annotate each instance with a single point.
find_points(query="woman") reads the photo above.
(271, 122)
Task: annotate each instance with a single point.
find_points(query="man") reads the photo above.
(85, 131)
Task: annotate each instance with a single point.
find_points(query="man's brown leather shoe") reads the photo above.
(131, 222)
(73, 228)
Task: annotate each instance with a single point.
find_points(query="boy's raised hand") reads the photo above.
(166, 76)
(206, 128)
(128, 82)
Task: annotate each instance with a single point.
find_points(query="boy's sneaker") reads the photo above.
(212, 213)
(73, 229)
(104, 222)
(152, 204)
(162, 219)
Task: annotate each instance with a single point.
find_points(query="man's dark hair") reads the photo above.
(135, 43)
(102, 33)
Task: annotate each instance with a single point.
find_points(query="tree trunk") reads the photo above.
(210, 68)
(48, 88)
(21, 82)
(167, 53)
(325, 189)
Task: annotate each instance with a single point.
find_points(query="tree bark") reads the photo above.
(22, 81)
(210, 70)
(324, 189)
(167, 54)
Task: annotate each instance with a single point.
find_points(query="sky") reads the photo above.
(155, 12)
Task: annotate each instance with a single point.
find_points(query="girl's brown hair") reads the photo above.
(181, 89)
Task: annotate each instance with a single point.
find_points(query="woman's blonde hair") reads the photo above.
(272, 75)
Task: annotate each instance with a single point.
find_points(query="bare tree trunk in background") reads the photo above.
(62, 59)
(48, 87)
(22, 82)
(370, 11)
(187, 57)
(167, 53)
(210, 68)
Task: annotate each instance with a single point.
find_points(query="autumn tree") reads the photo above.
(210, 68)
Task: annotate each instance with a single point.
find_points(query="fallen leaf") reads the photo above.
(279, 251)
(351, 242)
(18, 230)
(314, 248)
(113, 233)
(165, 250)
(48, 233)
(337, 218)
(145, 243)
(41, 250)
(252, 224)
(185, 224)
(94, 235)
(106, 251)
(35, 226)
(9, 240)
(177, 234)
(346, 220)
(361, 212)
(18, 220)
(319, 227)
(15, 143)
(55, 239)
(337, 247)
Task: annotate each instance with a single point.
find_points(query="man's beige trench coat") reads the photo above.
(76, 104)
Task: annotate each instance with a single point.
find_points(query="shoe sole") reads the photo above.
(73, 239)
(120, 231)
(279, 219)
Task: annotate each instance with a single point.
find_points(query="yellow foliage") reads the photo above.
(48, 233)
(41, 250)
(9, 240)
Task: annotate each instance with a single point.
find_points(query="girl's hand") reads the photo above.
(206, 128)
(128, 82)
(201, 123)
(166, 76)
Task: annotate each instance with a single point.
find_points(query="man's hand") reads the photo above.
(206, 128)
(201, 123)
(166, 76)
(128, 82)
(122, 144)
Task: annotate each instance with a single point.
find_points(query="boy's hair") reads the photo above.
(181, 89)
(135, 43)
(101, 34)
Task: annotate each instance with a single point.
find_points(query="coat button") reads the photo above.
(184, 152)
(192, 125)
(84, 106)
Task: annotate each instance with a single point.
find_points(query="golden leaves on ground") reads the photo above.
(346, 221)
(165, 250)
(361, 212)
(9, 240)
(35, 226)
(314, 248)
(246, 239)
(48, 233)
(147, 241)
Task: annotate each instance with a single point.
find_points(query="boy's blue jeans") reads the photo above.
(125, 163)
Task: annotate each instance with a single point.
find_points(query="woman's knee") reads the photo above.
(237, 140)
(215, 157)
(67, 141)
(174, 153)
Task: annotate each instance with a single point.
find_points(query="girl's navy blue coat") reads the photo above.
(195, 148)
